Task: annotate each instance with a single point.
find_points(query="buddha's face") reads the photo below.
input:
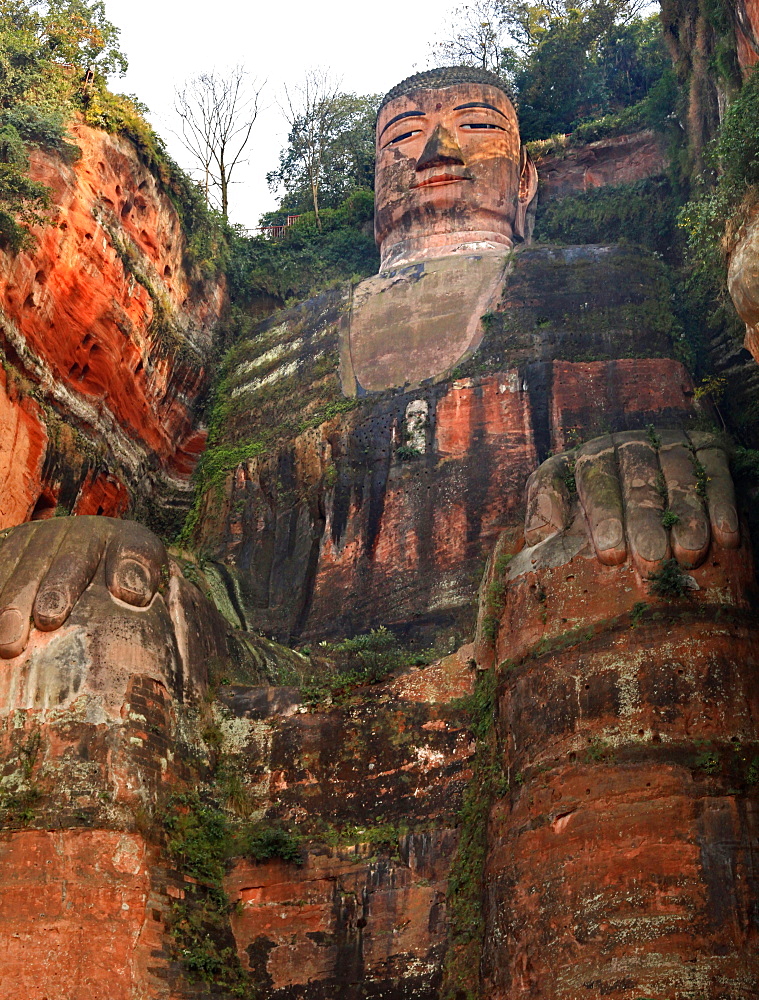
(449, 164)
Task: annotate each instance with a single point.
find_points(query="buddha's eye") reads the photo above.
(482, 125)
(406, 135)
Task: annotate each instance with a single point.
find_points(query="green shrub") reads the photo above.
(669, 580)
(263, 843)
(644, 213)
(305, 259)
(198, 837)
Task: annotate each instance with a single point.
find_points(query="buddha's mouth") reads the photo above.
(449, 176)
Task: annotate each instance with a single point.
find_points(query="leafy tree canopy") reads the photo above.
(567, 63)
(347, 160)
(55, 59)
(38, 37)
(583, 67)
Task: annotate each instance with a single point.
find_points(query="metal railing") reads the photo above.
(275, 232)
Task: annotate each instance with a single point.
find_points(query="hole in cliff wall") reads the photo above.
(88, 236)
(29, 301)
(167, 272)
(118, 189)
(142, 186)
(44, 508)
(126, 209)
(40, 277)
(108, 202)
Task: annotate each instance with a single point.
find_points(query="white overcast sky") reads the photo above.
(371, 46)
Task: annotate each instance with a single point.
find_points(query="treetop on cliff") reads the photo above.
(567, 63)
(68, 33)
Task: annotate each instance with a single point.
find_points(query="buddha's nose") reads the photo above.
(441, 148)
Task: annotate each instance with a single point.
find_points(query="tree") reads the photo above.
(69, 33)
(476, 37)
(567, 60)
(317, 113)
(633, 56)
(45, 50)
(217, 112)
(78, 33)
(593, 63)
(330, 150)
(528, 23)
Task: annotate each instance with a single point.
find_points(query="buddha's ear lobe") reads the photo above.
(527, 203)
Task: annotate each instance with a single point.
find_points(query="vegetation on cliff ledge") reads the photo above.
(55, 61)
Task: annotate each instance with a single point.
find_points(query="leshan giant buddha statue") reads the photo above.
(615, 867)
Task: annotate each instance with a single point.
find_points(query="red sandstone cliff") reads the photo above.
(619, 159)
(105, 332)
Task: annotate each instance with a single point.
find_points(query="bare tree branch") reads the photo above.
(217, 113)
(477, 36)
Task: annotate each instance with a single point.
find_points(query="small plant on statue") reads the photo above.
(668, 581)
(669, 519)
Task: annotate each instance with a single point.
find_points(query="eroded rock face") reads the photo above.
(370, 917)
(622, 159)
(105, 321)
(87, 772)
(746, 14)
(394, 504)
(632, 730)
(743, 279)
(91, 892)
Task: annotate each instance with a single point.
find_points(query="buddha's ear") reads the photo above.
(527, 203)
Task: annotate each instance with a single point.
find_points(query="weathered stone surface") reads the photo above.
(354, 925)
(23, 443)
(395, 504)
(112, 329)
(632, 816)
(415, 323)
(75, 915)
(746, 13)
(380, 780)
(620, 159)
(743, 278)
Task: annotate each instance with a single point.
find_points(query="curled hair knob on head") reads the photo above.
(446, 76)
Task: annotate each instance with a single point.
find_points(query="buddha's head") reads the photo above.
(451, 168)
